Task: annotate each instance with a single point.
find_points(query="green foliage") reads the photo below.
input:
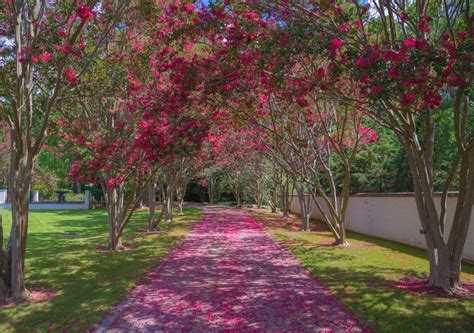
(381, 166)
(46, 191)
(63, 255)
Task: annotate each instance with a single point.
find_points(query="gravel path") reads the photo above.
(229, 274)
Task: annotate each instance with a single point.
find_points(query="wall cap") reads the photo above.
(395, 194)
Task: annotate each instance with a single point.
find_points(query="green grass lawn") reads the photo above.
(361, 278)
(62, 255)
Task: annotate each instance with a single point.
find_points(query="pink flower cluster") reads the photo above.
(84, 12)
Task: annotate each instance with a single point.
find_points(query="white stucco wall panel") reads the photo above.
(51, 206)
(393, 217)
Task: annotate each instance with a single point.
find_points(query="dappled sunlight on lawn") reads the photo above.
(365, 276)
(62, 257)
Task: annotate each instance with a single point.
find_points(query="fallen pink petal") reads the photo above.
(229, 274)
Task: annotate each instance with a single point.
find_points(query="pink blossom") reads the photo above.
(250, 16)
(462, 35)
(66, 48)
(45, 57)
(62, 33)
(84, 13)
(134, 85)
(188, 46)
(362, 63)
(409, 43)
(188, 9)
(70, 75)
(138, 47)
(376, 90)
(408, 100)
(457, 80)
(423, 24)
(111, 183)
(432, 100)
(344, 27)
(302, 102)
(336, 45)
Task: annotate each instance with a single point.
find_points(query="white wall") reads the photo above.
(393, 217)
(49, 205)
(3, 196)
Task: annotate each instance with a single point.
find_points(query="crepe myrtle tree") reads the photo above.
(190, 167)
(237, 152)
(274, 180)
(398, 62)
(257, 182)
(175, 120)
(305, 136)
(102, 140)
(44, 52)
(285, 159)
(173, 180)
(209, 179)
(167, 182)
(426, 66)
(308, 130)
(99, 125)
(101, 121)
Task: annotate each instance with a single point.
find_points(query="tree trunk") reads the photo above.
(306, 208)
(158, 220)
(4, 283)
(341, 238)
(180, 206)
(236, 189)
(180, 192)
(285, 199)
(273, 201)
(20, 186)
(120, 216)
(169, 203)
(259, 190)
(114, 203)
(444, 257)
(111, 201)
(237, 198)
(211, 189)
(276, 180)
(151, 205)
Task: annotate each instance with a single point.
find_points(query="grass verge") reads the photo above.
(362, 277)
(63, 255)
